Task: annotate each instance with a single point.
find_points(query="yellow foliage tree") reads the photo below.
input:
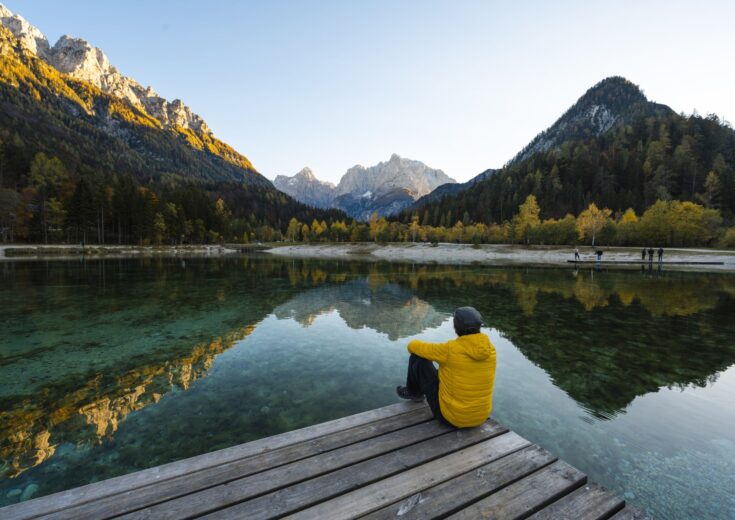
(629, 217)
(527, 218)
(293, 229)
(591, 221)
(414, 227)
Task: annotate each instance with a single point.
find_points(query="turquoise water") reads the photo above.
(111, 366)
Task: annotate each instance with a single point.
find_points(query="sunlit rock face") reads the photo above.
(372, 302)
(80, 60)
(306, 188)
(30, 36)
(386, 189)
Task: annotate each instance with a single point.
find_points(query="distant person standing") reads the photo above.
(660, 254)
(576, 254)
(643, 255)
(599, 255)
(650, 255)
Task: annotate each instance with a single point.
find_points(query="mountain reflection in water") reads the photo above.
(111, 366)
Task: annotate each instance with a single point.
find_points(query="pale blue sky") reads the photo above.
(460, 85)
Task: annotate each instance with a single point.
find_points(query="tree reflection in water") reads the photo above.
(87, 346)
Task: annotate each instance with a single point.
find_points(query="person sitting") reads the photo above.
(460, 393)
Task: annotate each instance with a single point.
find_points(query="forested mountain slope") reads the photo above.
(638, 153)
(78, 163)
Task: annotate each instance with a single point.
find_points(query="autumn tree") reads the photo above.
(293, 229)
(414, 227)
(591, 221)
(527, 218)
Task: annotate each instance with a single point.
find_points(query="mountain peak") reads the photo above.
(386, 188)
(614, 92)
(611, 102)
(306, 188)
(82, 61)
(28, 34)
(306, 173)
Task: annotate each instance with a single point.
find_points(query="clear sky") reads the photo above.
(459, 85)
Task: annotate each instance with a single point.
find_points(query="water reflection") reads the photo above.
(111, 366)
(384, 307)
(93, 412)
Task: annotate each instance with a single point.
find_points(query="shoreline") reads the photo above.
(505, 255)
(67, 251)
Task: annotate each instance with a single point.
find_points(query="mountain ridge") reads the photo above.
(385, 188)
(74, 120)
(612, 147)
(306, 188)
(81, 60)
(608, 103)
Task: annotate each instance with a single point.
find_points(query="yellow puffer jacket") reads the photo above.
(466, 376)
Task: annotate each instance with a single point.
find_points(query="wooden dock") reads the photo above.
(393, 462)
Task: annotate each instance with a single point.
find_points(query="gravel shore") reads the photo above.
(502, 254)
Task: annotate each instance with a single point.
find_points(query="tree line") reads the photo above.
(48, 202)
(665, 223)
(656, 158)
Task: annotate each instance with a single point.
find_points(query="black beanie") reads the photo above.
(467, 321)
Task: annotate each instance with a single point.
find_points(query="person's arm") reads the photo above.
(432, 351)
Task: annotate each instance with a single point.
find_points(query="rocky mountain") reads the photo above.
(80, 60)
(386, 188)
(610, 103)
(68, 100)
(306, 188)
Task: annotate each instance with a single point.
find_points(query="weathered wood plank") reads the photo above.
(631, 513)
(526, 496)
(407, 483)
(249, 487)
(71, 497)
(336, 483)
(590, 502)
(452, 495)
(210, 477)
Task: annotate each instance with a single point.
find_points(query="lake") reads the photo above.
(112, 366)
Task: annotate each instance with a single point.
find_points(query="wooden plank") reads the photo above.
(526, 496)
(71, 497)
(452, 495)
(383, 492)
(302, 495)
(631, 513)
(250, 487)
(590, 502)
(209, 477)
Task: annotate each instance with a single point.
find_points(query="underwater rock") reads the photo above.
(13, 493)
(29, 492)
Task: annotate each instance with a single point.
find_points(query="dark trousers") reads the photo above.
(423, 378)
